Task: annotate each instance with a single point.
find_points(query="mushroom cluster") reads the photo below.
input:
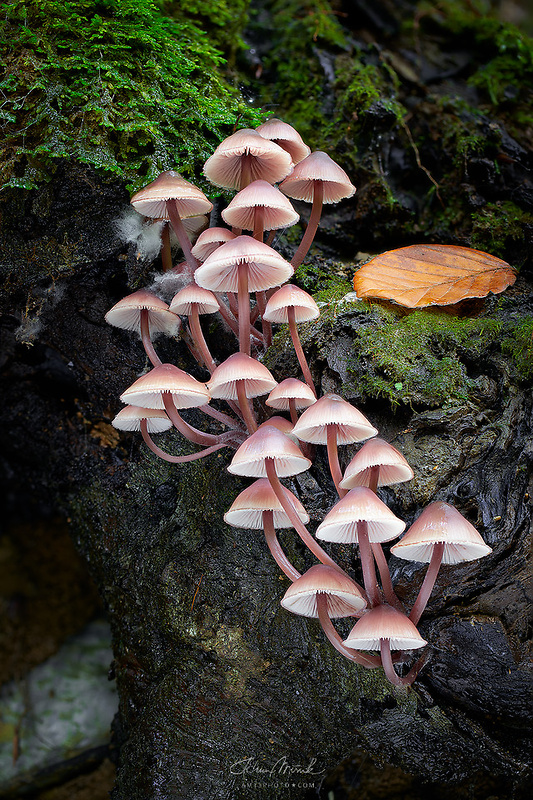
(235, 273)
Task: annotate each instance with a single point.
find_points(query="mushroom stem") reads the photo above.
(199, 339)
(259, 223)
(275, 548)
(333, 459)
(312, 225)
(267, 326)
(243, 299)
(383, 568)
(388, 666)
(299, 527)
(367, 563)
(384, 574)
(246, 407)
(181, 233)
(246, 170)
(190, 433)
(293, 411)
(225, 419)
(335, 639)
(300, 355)
(176, 459)
(428, 583)
(166, 252)
(231, 323)
(147, 341)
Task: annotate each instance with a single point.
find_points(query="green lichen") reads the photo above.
(117, 84)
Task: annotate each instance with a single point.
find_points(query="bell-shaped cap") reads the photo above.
(148, 390)
(192, 296)
(276, 209)
(440, 522)
(286, 137)
(266, 268)
(151, 201)
(359, 505)
(127, 313)
(267, 161)
(268, 442)
(344, 599)
(248, 508)
(209, 240)
(318, 167)
(290, 389)
(384, 622)
(351, 425)
(240, 367)
(130, 418)
(290, 296)
(283, 425)
(393, 468)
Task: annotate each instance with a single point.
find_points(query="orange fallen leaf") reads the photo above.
(432, 274)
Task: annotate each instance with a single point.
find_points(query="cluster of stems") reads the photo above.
(245, 281)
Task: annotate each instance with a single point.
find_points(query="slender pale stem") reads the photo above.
(293, 411)
(181, 233)
(199, 339)
(384, 574)
(312, 225)
(275, 548)
(146, 339)
(367, 563)
(259, 223)
(300, 355)
(246, 170)
(176, 459)
(377, 550)
(193, 434)
(243, 299)
(225, 419)
(333, 459)
(266, 325)
(391, 673)
(428, 583)
(301, 530)
(166, 251)
(335, 639)
(231, 322)
(246, 407)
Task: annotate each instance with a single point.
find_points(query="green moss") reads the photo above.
(430, 357)
(295, 76)
(505, 74)
(498, 223)
(116, 83)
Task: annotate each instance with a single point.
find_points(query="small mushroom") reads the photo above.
(193, 300)
(246, 156)
(256, 508)
(243, 265)
(317, 179)
(361, 517)
(291, 395)
(325, 592)
(332, 421)
(440, 535)
(240, 378)
(145, 313)
(384, 628)
(286, 137)
(291, 305)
